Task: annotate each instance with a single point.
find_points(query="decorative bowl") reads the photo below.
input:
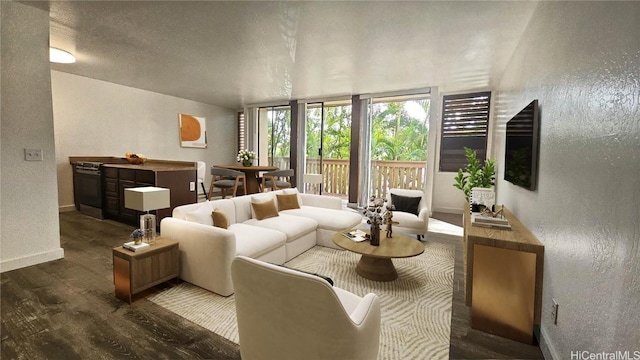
(136, 160)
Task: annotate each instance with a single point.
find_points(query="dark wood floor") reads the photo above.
(66, 309)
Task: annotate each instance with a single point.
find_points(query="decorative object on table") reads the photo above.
(193, 131)
(388, 220)
(373, 212)
(135, 159)
(481, 199)
(476, 174)
(146, 199)
(137, 236)
(132, 246)
(491, 218)
(246, 157)
(356, 235)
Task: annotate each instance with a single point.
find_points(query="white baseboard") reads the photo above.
(548, 351)
(34, 259)
(66, 208)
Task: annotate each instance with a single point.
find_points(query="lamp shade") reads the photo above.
(146, 198)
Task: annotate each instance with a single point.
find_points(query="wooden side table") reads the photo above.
(134, 272)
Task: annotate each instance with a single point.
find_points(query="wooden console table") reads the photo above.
(134, 272)
(503, 279)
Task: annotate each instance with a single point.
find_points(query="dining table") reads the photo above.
(251, 173)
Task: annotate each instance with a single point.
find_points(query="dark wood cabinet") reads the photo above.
(178, 178)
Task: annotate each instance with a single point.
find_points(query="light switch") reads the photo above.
(192, 186)
(33, 155)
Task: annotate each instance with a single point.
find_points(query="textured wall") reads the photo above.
(94, 117)
(582, 61)
(30, 227)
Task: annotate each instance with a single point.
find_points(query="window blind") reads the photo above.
(465, 123)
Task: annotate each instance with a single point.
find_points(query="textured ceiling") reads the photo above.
(237, 53)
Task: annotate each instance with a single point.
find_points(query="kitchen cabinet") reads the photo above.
(178, 177)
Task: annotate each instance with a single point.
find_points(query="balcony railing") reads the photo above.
(385, 175)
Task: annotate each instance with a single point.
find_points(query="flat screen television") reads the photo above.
(521, 153)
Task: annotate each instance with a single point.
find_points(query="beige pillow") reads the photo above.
(286, 202)
(220, 219)
(264, 210)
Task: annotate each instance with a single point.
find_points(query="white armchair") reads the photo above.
(411, 222)
(287, 314)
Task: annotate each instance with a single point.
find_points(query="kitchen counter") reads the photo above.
(150, 164)
(107, 186)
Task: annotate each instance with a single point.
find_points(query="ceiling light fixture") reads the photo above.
(60, 56)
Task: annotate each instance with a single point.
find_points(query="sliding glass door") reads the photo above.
(398, 133)
(274, 136)
(328, 142)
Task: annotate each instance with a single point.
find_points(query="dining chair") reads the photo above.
(202, 167)
(279, 179)
(227, 179)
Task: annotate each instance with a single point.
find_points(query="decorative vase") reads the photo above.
(137, 240)
(246, 162)
(375, 234)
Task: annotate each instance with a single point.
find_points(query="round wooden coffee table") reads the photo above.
(375, 263)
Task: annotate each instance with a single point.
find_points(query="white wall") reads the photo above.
(582, 61)
(94, 117)
(29, 216)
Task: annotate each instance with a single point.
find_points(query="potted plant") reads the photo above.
(475, 174)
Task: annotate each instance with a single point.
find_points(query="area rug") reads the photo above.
(416, 308)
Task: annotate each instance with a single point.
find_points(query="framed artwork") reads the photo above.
(193, 131)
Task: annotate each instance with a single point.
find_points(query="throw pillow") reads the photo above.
(286, 202)
(201, 215)
(264, 210)
(406, 203)
(220, 219)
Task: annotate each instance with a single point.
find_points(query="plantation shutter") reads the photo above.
(241, 130)
(465, 123)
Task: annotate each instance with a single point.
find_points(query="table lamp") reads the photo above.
(146, 199)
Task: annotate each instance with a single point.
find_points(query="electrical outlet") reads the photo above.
(33, 154)
(554, 311)
(192, 186)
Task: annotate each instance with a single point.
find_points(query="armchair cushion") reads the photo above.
(264, 210)
(220, 219)
(406, 203)
(287, 201)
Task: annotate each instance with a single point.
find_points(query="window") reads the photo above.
(465, 123)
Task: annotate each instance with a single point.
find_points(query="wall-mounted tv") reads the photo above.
(521, 153)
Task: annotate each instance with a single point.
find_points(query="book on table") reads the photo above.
(355, 235)
(131, 245)
(487, 220)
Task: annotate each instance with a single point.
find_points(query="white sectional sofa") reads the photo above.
(206, 251)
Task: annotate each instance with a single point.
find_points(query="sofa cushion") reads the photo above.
(254, 241)
(201, 215)
(220, 219)
(287, 201)
(292, 226)
(329, 219)
(406, 203)
(264, 210)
